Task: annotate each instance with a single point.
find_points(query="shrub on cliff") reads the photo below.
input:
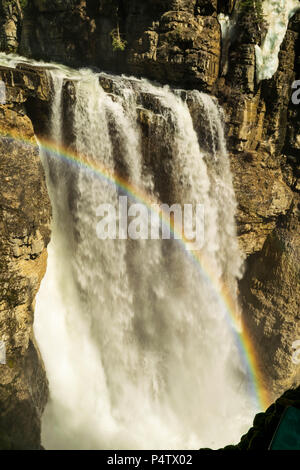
(118, 44)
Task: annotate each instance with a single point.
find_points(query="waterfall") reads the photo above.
(227, 24)
(134, 335)
(277, 14)
(135, 340)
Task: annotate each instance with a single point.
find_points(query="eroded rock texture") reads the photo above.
(24, 234)
(271, 292)
(263, 137)
(174, 41)
(258, 117)
(11, 17)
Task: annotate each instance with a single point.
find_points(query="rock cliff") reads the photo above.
(263, 137)
(171, 41)
(174, 41)
(25, 231)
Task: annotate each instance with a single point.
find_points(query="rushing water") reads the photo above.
(227, 24)
(277, 14)
(135, 338)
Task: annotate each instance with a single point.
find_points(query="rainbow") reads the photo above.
(242, 336)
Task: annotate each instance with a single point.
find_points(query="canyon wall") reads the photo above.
(177, 42)
(25, 232)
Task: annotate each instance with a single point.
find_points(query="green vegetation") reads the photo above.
(112, 8)
(118, 44)
(10, 363)
(23, 3)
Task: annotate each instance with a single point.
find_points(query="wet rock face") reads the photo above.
(24, 234)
